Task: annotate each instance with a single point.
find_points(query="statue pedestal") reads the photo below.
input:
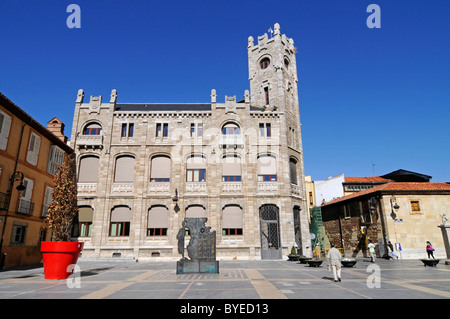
(199, 266)
(445, 228)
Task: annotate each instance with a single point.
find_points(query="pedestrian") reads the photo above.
(371, 251)
(430, 250)
(316, 251)
(391, 248)
(334, 260)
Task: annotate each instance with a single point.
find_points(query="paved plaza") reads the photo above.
(243, 280)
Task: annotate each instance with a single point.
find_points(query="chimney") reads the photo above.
(57, 128)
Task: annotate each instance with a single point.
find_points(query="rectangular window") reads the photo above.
(266, 95)
(196, 175)
(85, 229)
(265, 130)
(5, 125)
(192, 130)
(127, 130)
(156, 231)
(161, 180)
(311, 198)
(158, 129)
(231, 178)
(162, 129)
(415, 206)
(33, 149)
(119, 229)
(55, 159)
(267, 178)
(232, 231)
(18, 234)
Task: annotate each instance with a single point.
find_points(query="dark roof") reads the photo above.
(162, 107)
(402, 175)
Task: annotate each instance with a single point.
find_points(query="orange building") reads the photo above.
(29, 156)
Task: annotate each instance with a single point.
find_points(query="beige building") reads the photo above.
(144, 167)
(405, 213)
(29, 156)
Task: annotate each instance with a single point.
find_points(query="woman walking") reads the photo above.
(430, 250)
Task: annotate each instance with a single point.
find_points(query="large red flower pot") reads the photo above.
(58, 256)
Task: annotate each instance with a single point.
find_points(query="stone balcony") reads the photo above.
(231, 141)
(122, 188)
(159, 187)
(267, 186)
(87, 188)
(90, 141)
(232, 187)
(196, 187)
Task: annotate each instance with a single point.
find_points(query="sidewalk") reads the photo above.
(244, 280)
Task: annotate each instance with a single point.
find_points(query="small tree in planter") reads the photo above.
(60, 253)
(63, 208)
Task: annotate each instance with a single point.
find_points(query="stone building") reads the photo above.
(144, 167)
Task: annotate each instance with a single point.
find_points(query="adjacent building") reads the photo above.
(406, 213)
(29, 156)
(143, 168)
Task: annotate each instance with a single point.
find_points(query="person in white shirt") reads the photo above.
(334, 260)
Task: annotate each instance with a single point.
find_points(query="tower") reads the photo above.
(273, 87)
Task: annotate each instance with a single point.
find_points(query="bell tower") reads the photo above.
(273, 72)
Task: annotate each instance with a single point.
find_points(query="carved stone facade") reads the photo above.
(231, 162)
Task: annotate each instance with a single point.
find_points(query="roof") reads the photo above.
(368, 179)
(25, 117)
(402, 175)
(395, 186)
(164, 107)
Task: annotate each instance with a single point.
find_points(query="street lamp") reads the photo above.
(16, 176)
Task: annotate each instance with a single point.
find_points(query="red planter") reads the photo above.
(57, 256)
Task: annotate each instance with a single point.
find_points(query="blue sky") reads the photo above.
(367, 96)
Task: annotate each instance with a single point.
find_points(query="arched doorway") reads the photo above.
(270, 232)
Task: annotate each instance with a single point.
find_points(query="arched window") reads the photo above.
(231, 168)
(232, 220)
(195, 211)
(267, 168)
(160, 169)
(124, 169)
(264, 63)
(230, 129)
(196, 168)
(158, 221)
(120, 221)
(92, 129)
(88, 169)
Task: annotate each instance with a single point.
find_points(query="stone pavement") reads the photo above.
(237, 280)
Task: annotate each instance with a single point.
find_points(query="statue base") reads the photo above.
(197, 267)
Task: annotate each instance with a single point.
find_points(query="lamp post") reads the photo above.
(16, 176)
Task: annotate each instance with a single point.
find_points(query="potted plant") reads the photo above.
(430, 262)
(60, 252)
(293, 256)
(303, 259)
(348, 262)
(314, 262)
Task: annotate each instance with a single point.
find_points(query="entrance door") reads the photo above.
(270, 232)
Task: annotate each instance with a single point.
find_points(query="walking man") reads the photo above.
(371, 251)
(334, 260)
